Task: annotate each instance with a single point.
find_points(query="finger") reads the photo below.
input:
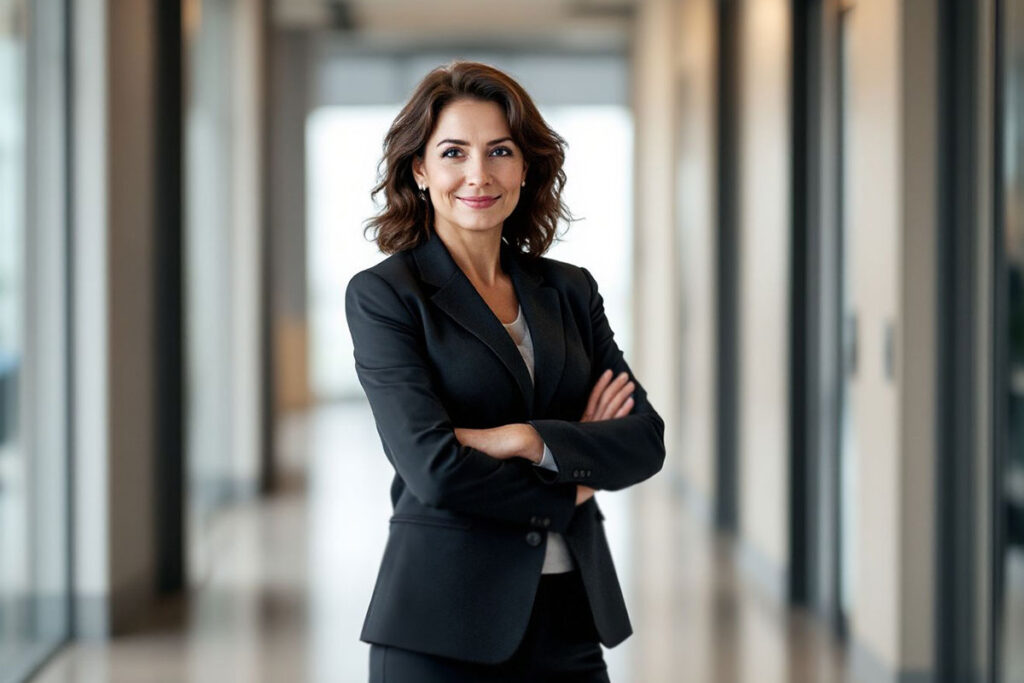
(610, 391)
(617, 400)
(626, 407)
(595, 394)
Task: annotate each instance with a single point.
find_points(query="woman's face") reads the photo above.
(471, 167)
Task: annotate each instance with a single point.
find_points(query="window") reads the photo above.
(33, 370)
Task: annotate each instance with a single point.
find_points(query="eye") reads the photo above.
(502, 152)
(447, 155)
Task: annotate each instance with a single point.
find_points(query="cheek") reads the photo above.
(448, 182)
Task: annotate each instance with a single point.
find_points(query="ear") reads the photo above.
(417, 171)
(526, 166)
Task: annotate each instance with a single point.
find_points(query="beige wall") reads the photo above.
(130, 296)
(763, 311)
(655, 298)
(917, 353)
(697, 226)
(113, 240)
(291, 75)
(655, 321)
(246, 236)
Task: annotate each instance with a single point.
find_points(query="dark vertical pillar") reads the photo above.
(169, 299)
(1000, 350)
(801, 303)
(956, 288)
(727, 276)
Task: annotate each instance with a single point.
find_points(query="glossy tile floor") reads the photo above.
(285, 599)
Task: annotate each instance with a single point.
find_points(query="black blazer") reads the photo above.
(466, 544)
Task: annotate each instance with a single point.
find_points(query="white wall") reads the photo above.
(873, 190)
(891, 186)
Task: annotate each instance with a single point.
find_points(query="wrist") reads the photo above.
(533, 445)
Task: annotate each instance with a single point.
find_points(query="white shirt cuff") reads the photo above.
(548, 460)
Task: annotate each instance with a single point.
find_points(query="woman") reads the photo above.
(500, 397)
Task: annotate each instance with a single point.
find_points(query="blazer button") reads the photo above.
(576, 473)
(546, 522)
(533, 538)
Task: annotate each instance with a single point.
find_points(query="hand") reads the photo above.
(507, 441)
(583, 494)
(610, 398)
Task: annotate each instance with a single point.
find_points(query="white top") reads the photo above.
(557, 559)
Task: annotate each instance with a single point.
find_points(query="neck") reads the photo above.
(476, 253)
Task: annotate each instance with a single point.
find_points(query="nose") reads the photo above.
(476, 171)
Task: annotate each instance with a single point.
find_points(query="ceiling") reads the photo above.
(569, 23)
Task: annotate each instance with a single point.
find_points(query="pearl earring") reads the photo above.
(523, 184)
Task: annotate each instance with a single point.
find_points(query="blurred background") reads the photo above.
(807, 220)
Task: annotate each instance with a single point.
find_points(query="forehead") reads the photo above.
(471, 120)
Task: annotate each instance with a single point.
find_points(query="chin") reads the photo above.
(480, 224)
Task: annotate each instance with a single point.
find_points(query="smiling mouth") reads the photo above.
(479, 202)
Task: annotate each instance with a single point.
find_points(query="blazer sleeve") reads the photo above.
(416, 430)
(607, 454)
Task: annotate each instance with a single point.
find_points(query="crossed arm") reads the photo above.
(609, 399)
(493, 478)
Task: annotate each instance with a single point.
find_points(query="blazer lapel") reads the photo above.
(543, 311)
(457, 297)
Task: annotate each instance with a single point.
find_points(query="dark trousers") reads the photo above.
(561, 644)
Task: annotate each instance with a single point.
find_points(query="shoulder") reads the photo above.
(393, 272)
(572, 279)
(382, 289)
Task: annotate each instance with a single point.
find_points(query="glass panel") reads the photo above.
(33, 484)
(343, 146)
(207, 267)
(14, 500)
(1012, 555)
(221, 267)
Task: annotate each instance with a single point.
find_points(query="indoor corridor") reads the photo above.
(806, 220)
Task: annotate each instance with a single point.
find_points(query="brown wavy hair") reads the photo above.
(406, 220)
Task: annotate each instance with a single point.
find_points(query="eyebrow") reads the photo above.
(463, 142)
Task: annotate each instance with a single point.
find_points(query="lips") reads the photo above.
(478, 202)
